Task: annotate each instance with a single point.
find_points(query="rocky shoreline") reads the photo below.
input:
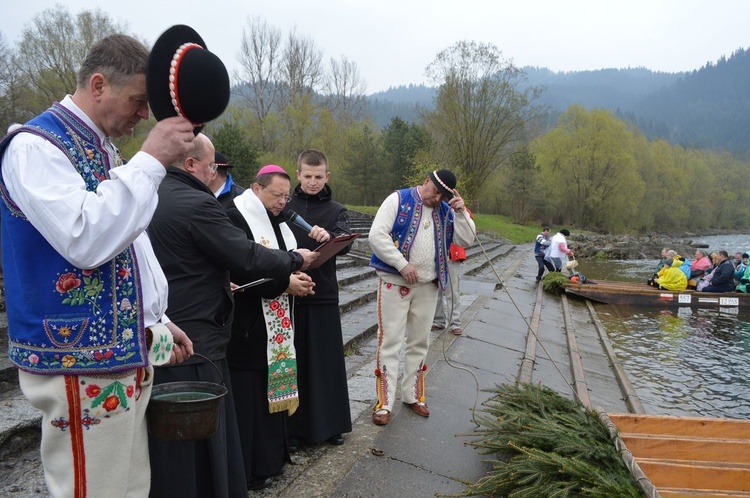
(588, 246)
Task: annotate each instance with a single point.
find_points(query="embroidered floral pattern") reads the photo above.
(161, 349)
(282, 364)
(94, 313)
(100, 401)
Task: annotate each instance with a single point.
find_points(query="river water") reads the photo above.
(686, 361)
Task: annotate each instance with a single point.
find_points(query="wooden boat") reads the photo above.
(686, 457)
(641, 294)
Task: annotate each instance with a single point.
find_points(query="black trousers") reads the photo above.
(542, 264)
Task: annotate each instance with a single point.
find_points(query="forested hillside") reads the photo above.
(707, 108)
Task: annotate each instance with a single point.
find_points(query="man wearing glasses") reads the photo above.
(262, 357)
(197, 246)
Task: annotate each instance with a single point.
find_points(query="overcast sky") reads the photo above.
(392, 41)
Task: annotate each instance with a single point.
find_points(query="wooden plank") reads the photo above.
(693, 493)
(640, 294)
(688, 448)
(681, 426)
(672, 475)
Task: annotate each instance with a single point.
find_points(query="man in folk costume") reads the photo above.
(261, 353)
(86, 295)
(410, 238)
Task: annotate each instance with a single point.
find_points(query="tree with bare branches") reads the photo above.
(345, 91)
(52, 49)
(12, 89)
(481, 111)
(301, 75)
(260, 60)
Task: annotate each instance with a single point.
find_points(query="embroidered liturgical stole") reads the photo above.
(282, 358)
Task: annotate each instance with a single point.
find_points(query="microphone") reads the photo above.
(297, 220)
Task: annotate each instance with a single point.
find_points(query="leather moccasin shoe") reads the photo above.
(436, 327)
(456, 331)
(381, 417)
(419, 408)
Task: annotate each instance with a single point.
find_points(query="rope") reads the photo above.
(515, 305)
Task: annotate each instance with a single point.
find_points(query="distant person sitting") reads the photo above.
(743, 281)
(723, 277)
(673, 278)
(739, 269)
(664, 257)
(700, 265)
(705, 279)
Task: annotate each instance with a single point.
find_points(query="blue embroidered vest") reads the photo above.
(63, 319)
(405, 229)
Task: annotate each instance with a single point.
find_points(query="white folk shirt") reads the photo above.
(90, 228)
(422, 255)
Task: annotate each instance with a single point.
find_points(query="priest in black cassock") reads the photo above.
(323, 413)
(261, 355)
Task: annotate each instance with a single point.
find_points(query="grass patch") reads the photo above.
(547, 445)
(371, 210)
(493, 224)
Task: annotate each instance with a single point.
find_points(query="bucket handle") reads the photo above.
(213, 365)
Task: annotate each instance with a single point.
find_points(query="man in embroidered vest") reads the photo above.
(410, 237)
(262, 358)
(84, 287)
(198, 246)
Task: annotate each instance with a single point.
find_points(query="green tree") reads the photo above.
(588, 162)
(481, 111)
(232, 140)
(401, 142)
(362, 172)
(521, 181)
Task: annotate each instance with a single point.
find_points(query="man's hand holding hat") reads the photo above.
(170, 140)
(457, 202)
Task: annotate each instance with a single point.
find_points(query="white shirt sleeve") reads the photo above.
(379, 236)
(86, 228)
(463, 229)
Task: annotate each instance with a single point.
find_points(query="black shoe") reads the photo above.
(259, 483)
(336, 440)
(293, 445)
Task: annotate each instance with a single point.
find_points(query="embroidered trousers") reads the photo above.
(403, 313)
(94, 435)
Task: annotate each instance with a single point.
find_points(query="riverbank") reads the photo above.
(624, 247)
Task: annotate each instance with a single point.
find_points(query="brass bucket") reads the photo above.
(187, 410)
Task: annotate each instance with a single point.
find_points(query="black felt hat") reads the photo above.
(445, 181)
(184, 78)
(221, 160)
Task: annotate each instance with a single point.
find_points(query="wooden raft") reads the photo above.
(686, 457)
(641, 294)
